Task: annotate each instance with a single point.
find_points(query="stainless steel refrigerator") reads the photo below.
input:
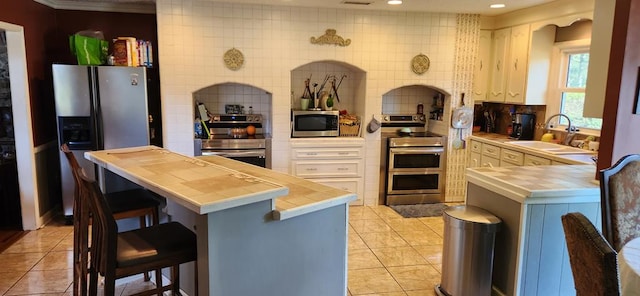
(99, 107)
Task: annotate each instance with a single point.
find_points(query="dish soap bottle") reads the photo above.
(198, 128)
(420, 109)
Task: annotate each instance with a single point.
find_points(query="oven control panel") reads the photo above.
(403, 118)
(235, 118)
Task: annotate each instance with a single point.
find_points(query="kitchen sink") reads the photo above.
(551, 148)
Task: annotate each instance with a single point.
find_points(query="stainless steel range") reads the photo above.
(412, 161)
(231, 137)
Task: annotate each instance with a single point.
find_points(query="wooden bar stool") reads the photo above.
(124, 204)
(116, 255)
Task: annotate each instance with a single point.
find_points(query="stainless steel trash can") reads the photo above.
(467, 255)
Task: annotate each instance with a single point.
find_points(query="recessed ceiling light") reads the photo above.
(497, 5)
(394, 2)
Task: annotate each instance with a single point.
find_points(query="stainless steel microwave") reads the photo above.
(307, 124)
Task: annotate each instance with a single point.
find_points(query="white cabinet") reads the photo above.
(482, 68)
(499, 55)
(475, 154)
(335, 163)
(483, 155)
(517, 64)
(488, 153)
(521, 61)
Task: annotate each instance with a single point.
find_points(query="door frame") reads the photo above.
(23, 130)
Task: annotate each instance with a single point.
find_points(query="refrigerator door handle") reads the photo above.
(95, 102)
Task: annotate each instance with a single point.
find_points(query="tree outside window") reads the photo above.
(572, 90)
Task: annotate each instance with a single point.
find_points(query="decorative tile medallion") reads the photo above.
(420, 64)
(233, 59)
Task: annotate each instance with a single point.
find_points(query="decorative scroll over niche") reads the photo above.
(330, 37)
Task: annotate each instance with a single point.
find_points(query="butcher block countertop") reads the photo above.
(213, 183)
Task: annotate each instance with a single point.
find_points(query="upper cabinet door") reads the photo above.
(481, 69)
(501, 39)
(518, 63)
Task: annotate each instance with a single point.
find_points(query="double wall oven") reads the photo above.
(412, 163)
(229, 137)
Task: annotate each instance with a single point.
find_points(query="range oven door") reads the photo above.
(415, 175)
(415, 182)
(416, 158)
(253, 156)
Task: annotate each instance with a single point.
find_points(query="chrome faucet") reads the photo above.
(570, 130)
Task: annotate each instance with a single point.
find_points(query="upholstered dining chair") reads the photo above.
(116, 254)
(620, 201)
(594, 263)
(134, 203)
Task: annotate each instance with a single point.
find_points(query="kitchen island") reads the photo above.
(530, 251)
(259, 232)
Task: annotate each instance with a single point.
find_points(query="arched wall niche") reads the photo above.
(405, 99)
(216, 96)
(351, 88)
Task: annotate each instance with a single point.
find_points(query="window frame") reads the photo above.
(558, 78)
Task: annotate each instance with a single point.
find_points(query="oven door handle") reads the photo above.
(234, 153)
(416, 150)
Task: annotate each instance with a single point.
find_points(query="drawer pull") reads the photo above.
(511, 157)
(312, 169)
(535, 162)
(490, 150)
(312, 153)
(343, 169)
(343, 153)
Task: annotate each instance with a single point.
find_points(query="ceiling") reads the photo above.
(454, 6)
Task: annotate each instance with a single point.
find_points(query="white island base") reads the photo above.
(530, 250)
(259, 232)
(248, 253)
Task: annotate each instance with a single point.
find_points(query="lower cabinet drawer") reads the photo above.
(491, 151)
(476, 146)
(346, 184)
(354, 185)
(315, 169)
(535, 160)
(510, 157)
(490, 162)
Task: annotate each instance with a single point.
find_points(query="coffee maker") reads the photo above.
(524, 125)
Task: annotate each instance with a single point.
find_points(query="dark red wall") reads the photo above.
(39, 25)
(620, 125)
(112, 25)
(46, 36)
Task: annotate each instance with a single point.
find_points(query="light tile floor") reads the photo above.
(388, 255)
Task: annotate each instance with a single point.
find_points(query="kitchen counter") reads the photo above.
(304, 196)
(501, 141)
(197, 185)
(539, 184)
(249, 221)
(531, 256)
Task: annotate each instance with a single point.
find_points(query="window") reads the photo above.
(568, 97)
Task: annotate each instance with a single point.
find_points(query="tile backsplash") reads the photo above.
(275, 41)
(215, 97)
